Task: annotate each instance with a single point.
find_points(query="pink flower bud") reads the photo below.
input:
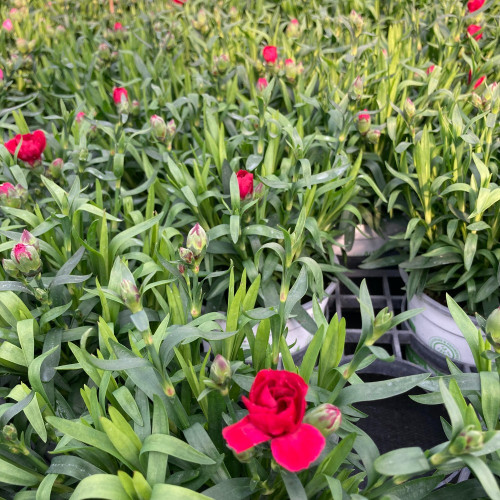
(409, 108)
(430, 69)
(373, 136)
(159, 127)
(186, 255)
(55, 168)
(364, 122)
(220, 371)
(26, 258)
(130, 295)
(7, 25)
(261, 84)
(120, 95)
(196, 240)
(118, 27)
(293, 28)
(326, 418)
(28, 239)
(79, 117)
(473, 29)
(479, 81)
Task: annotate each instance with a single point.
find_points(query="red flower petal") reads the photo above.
(297, 451)
(243, 435)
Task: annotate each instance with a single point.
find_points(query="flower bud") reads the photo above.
(220, 371)
(56, 167)
(171, 129)
(11, 196)
(373, 136)
(159, 127)
(120, 97)
(10, 268)
(200, 23)
(357, 22)
(130, 295)
(196, 240)
(186, 255)
(22, 45)
(26, 259)
(409, 108)
(262, 84)
(326, 418)
(293, 29)
(136, 107)
(357, 88)
(222, 63)
(493, 326)
(381, 324)
(233, 13)
(469, 440)
(79, 117)
(28, 239)
(290, 69)
(364, 122)
(476, 100)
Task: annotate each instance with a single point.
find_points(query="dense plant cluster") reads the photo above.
(175, 177)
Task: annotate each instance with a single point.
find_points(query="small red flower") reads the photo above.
(479, 82)
(288, 62)
(7, 25)
(32, 146)
(295, 21)
(261, 84)
(120, 94)
(179, 2)
(245, 183)
(79, 116)
(118, 27)
(364, 116)
(276, 407)
(473, 29)
(469, 77)
(1, 74)
(474, 5)
(270, 54)
(430, 69)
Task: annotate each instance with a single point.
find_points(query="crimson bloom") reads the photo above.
(6, 188)
(179, 2)
(430, 69)
(479, 81)
(32, 146)
(118, 26)
(261, 84)
(276, 407)
(119, 94)
(270, 54)
(474, 5)
(80, 116)
(473, 29)
(245, 183)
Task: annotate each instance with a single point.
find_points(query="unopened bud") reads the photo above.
(357, 22)
(22, 45)
(326, 418)
(469, 440)
(220, 371)
(381, 324)
(26, 259)
(55, 168)
(196, 240)
(476, 100)
(290, 69)
(136, 107)
(493, 326)
(28, 239)
(293, 29)
(364, 122)
(10, 268)
(409, 108)
(357, 88)
(261, 84)
(186, 255)
(130, 295)
(159, 127)
(11, 196)
(373, 136)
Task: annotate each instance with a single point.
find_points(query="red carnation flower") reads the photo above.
(270, 54)
(474, 5)
(245, 183)
(32, 146)
(276, 407)
(430, 69)
(7, 188)
(120, 94)
(118, 27)
(479, 81)
(473, 29)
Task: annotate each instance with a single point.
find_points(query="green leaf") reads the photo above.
(100, 486)
(490, 398)
(76, 467)
(293, 486)
(484, 474)
(11, 473)
(401, 462)
(163, 491)
(171, 445)
(238, 488)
